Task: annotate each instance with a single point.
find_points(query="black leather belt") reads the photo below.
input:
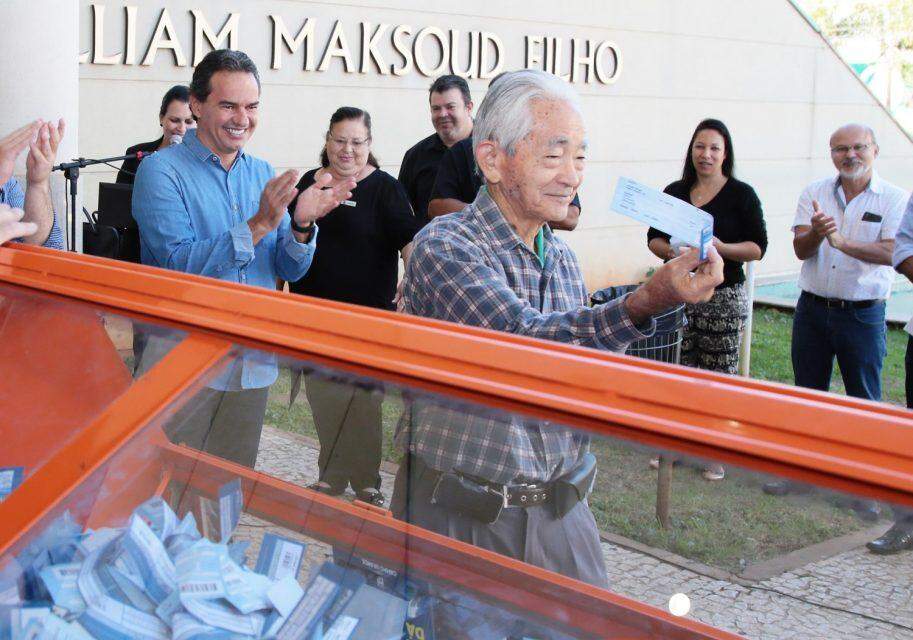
(837, 303)
(484, 500)
(516, 495)
(521, 495)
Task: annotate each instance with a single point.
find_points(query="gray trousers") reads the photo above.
(569, 545)
(349, 426)
(226, 424)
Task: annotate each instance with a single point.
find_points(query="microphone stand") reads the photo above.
(71, 174)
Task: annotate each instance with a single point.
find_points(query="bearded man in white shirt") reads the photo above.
(844, 234)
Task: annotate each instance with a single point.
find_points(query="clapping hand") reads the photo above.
(824, 226)
(43, 152)
(14, 144)
(274, 201)
(320, 198)
(11, 225)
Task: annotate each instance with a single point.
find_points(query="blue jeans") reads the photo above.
(857, 337)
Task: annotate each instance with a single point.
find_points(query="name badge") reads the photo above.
(868, 216)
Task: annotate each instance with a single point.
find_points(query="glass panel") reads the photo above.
(63, 363)
(730, 553)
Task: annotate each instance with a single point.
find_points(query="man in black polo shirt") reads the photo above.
(451, 116)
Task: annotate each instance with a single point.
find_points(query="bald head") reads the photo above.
(853, 151)
(855, 128)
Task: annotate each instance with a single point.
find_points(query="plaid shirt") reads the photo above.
(471, 267)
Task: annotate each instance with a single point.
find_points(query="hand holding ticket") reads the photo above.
(661, 211)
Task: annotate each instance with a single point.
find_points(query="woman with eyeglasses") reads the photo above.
(711, 338)
(358, 245)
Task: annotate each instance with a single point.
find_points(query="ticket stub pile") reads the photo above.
(158, 578)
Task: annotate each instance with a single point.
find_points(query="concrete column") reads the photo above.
(39, 77)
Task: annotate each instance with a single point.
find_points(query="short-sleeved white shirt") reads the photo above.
(871, 216)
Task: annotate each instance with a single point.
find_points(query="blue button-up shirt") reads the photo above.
(903, 241)
(192, 215)
(903, 245)
(11, 194)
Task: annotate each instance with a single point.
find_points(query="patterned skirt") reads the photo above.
(711, 338)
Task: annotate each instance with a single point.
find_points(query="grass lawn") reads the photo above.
(770, 359)
(727, 524)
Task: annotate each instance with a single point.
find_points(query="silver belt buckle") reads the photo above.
(502, 493)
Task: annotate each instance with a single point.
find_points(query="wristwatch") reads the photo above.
(306, 229)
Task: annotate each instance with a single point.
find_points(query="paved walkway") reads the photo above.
(854, 584)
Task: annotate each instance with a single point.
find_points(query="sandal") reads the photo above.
(371, 496)
(713, 474)
(654, 462)
(326, 488)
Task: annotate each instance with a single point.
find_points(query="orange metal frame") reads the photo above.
(842, 443)
(44, 494)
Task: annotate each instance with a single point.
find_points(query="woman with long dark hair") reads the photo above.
(358, 245)
(711, 339)
(174, 119)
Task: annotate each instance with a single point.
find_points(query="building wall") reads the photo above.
(756, 64)
(39, 76)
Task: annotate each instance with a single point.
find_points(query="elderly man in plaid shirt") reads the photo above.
(513, 485)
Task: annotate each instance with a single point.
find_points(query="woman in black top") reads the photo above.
(174, 119)
(358, 245)
(711, 339)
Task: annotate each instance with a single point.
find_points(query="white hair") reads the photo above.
(505, 115)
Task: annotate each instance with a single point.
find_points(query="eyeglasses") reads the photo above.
(843, 149)
(342, 143)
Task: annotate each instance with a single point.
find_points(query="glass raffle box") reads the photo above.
(141, 499)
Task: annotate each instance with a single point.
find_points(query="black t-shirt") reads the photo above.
(418, 170)
(457, 177)
(128, 168)
(737, 217)
(356, 256)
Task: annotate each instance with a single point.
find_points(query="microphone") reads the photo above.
(176, 139)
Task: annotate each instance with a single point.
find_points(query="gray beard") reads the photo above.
(853, 174)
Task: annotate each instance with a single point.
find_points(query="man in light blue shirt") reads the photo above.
(900, 536)
(207, 207)
(42, 139)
